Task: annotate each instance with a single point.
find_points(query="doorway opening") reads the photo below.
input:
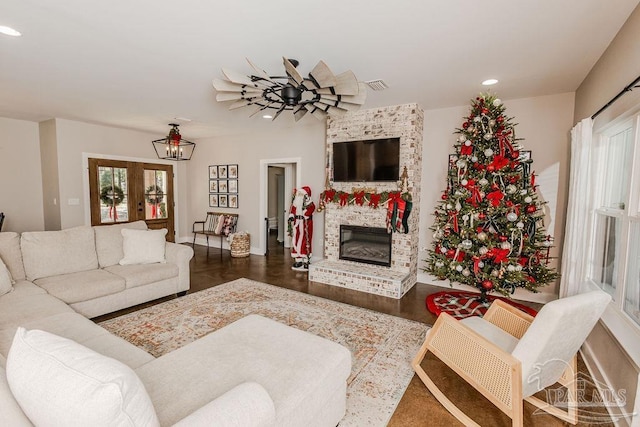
(278, 178)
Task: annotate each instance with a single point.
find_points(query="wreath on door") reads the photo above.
(154, 195)
(112, 196)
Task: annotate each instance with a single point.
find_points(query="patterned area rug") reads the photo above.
(460, 304)
(381, 345)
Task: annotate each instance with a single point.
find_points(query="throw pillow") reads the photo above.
(6, 281)
(143, 246)
(57, 381)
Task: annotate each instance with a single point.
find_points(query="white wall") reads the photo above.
(20, 176)
(305, 140)
(544, 123)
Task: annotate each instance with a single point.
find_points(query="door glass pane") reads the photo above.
(155, 194)
(632, 291)
(113, 195)
(605, 264)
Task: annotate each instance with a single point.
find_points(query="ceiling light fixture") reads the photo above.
(9, 31)
(321, 93)
(173, 147)
(267, 116)
(489, 82)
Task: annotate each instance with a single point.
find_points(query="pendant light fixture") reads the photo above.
(173, 146)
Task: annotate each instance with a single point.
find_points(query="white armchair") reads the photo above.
(508, 355)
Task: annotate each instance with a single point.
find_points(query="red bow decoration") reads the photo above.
(498, 254)
(359, 197)
(394, 197)
(344, 199)
(466, 150)
(374, 199)
(505, 144)
(495, 197)
(499, 162)
(329, 195)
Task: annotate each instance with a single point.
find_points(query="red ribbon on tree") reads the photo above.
(504, 143)
(495, 197)
(466, 150)
(374, 199)
(499, 162)
(533, 179)
(453, 215)
(498, 254)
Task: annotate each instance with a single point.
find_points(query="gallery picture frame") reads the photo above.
(213, 200)
(223, 186)
(233, 200)
(223, 200)
(213, 186)
(232, 171)
(223, 171)
(232, 186)
(213, 171)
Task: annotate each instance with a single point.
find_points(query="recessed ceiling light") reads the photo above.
(183, 119)
(267, 116)
(489, 82)
(9, 31)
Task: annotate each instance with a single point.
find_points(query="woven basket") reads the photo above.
(240, 245)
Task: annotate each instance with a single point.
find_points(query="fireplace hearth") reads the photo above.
(369, 245)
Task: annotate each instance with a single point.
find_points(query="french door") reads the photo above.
(123, 191)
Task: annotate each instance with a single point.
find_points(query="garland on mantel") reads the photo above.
(360, 198)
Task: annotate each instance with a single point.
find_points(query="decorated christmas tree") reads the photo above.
(488, 230)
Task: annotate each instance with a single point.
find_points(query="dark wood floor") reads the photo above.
(418, 407)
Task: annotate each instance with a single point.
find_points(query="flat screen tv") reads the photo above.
(367, 160)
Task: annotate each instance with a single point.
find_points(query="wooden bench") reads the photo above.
(216, 224)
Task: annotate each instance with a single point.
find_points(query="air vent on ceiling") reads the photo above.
(377, 84)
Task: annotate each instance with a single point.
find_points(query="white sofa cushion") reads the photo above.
(143, 246)
(82, 286)
(57, 381)
(6, 282)
(11, 414)
(109, 241)
(144, 274)
(11, 254)
(50, 253)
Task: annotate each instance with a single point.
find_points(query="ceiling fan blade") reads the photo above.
(347, 84)
(329, 109)
(259, 72)
(316, 112)
(275, 116)
(227, 86)
(338, 104)
(238, 78)
(228, 96)
(292, 71)
(299, 113)
(323, 76)
(240, 103)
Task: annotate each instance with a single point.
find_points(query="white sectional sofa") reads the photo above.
(57, 367)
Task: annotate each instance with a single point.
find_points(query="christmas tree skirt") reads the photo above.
(460, 304)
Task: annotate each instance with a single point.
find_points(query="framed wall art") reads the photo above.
(223, 186)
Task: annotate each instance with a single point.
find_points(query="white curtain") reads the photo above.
(579, 206)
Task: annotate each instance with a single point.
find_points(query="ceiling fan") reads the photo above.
(320, 94)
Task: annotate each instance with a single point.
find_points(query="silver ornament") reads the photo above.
(483, 250)
(458, 268)
(528, 199)
(512, 216)
(466, 244)
(466, 272)
(483, 182)
(488, 136)
(482, 236)
(505, 245)
(488, 152)
(511, 189)
(497, 102)
(520, 225)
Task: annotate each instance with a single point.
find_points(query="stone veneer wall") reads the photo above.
(404, 121)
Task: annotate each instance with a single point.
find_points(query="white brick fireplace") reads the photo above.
(403, 121)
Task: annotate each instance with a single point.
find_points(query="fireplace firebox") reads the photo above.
(369, 245)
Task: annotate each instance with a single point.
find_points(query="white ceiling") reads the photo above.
(139, 64)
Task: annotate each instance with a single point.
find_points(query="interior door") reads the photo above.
(123, 191)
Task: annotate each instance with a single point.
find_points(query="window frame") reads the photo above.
(625, 328)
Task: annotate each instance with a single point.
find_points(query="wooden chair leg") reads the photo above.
(437, 393)
(570, 381)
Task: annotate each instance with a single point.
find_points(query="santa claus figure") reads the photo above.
(300, 226)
